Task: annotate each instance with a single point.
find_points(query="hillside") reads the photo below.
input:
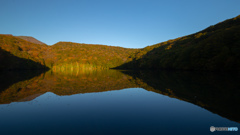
(16, 53)
(61, 56)
(11, 62)
(31, 39)
(67, 55)
(214, 49)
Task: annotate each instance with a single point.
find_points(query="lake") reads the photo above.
(118, 102)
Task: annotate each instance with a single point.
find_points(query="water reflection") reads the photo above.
(120, 102)
(218, 93)
(65, 84)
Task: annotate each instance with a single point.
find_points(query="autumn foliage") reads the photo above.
(214, 49)
(61, 56)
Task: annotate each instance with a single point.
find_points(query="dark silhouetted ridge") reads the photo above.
(213, 49)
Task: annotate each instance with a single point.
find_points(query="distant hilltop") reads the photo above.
(31, 39)
(6, 34)
(215, 48)
(27, 38)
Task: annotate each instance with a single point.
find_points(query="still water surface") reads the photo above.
(114, 102)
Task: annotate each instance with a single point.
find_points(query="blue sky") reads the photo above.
(125, 23)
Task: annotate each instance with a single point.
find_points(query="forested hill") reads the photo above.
(74, 55)
(16, 53)
(215, 48)
(60, 56)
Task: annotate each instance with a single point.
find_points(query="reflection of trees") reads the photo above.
(66, 83)
(217, 93)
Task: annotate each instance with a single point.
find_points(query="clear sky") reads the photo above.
(126, 23)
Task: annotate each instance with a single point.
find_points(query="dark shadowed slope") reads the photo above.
(17, 53)
(214, 49)
(11, 62)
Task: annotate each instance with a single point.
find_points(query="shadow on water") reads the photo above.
(218, 93)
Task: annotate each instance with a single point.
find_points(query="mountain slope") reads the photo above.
(11, 62)
(16, 53)
(213, 49)
(73, 54)
(64, 55)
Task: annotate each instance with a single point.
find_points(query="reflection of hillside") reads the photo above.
(66, 84)
(217, 93)
(90, 81)
(23, 90)
(8, 78)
